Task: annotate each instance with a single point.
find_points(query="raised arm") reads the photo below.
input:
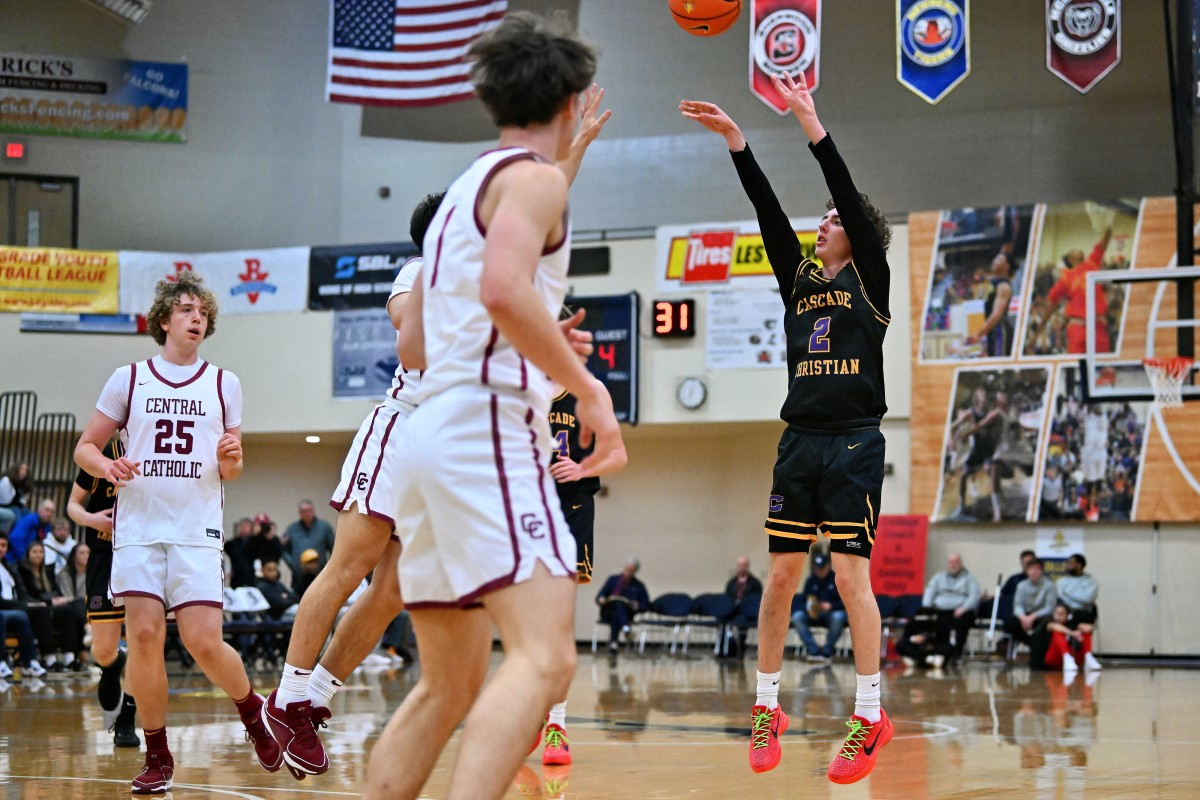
(591, 122)
(779, 238)
(869, 252)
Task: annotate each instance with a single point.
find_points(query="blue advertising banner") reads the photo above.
(933, 48)
(355, 276)
(364, 352)
(96, 98)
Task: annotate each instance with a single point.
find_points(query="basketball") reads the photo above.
(705, 17)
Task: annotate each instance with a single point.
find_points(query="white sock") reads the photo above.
(51, 660)
(322, 686)
(69, 659)
(558, 714)
(768, 689)
(293, 686)
(866, 698)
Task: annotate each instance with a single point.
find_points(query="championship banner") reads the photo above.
(94, 98)
(898, 555)
(933, 49)
(785, 37)
(1083, 40)
(355, 276)
(244, 281)
(723, 255)
(56, 280)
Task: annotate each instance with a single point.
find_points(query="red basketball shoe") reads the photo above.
(856, 759)
(767, 725)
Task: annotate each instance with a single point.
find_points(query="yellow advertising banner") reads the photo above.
(54, 280)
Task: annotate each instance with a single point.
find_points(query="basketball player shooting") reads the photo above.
(829, 474)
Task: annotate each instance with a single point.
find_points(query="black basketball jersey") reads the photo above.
(834, 328)
(102, 495)
(564, 429)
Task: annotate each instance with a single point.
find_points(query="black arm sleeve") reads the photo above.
(779, 238)
(865, 245)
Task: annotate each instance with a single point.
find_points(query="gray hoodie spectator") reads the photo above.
(952, 588)
(1036, 595)
(1077, 590)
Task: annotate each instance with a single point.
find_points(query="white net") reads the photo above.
(1166, 379)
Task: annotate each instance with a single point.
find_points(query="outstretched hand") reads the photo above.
(712, 117)
(591, 122)
(795, 93)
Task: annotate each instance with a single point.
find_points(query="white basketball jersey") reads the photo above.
(173, 430)
(403, 394)
(462, 346)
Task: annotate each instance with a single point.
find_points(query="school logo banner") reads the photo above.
(58, 281)
(244, 281)
(785, 37)
(1083, 40)
(933, 50)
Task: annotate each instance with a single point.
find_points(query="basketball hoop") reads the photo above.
(1166, 379)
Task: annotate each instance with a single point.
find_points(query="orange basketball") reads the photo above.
(705, 17)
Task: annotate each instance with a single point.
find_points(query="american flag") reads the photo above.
(405, 52)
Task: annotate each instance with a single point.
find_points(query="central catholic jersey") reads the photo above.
(173, 430)
(462, 346)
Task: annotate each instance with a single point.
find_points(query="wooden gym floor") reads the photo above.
(663, 727)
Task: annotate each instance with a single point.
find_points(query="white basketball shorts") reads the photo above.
(1095, 463)
(477, 506)
(177, 575)
(369, 472)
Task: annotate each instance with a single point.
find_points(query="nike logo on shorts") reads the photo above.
(576, 508)
(852, 446)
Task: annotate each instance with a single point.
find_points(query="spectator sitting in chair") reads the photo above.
(953, 596)
(925, 640)
(1077, 591)
(1032, 606)
(239, 550)
(15, 486)
(823, 607)
(310, 567)
(622, 596)
(1009, 589)
(33, 527)
(743, 584)
(59, 545)
(278, 595)
(740, 586)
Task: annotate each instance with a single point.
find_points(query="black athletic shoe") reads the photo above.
(124, 733)
(109, 689)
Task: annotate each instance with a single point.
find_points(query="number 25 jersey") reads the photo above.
(172, 418)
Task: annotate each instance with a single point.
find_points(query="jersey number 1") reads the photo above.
(819, 341)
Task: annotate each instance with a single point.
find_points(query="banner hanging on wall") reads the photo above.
(1083, 40)
(56, 280)
(933, 52)
(94, 98)
(244, 281)
(355, 276)
(721, 255)
(898, 562)
(785, 37)
(364, 352)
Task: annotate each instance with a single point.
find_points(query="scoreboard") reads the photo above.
(613, 322)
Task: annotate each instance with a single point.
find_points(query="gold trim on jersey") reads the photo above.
(789, 522)
(809, 536)
(884, 318)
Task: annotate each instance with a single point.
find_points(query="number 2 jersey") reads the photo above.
(171, 418)
(835, 328)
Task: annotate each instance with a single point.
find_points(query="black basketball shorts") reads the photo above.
(826, 484)
(580, 511)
